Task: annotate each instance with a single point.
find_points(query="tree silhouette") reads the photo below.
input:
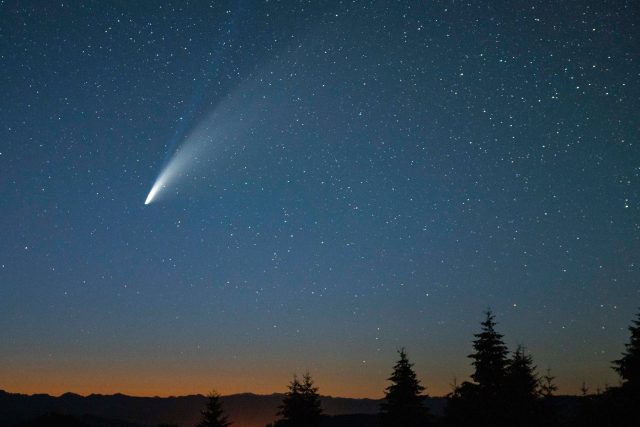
(301, 404)
(549, 412)
(522, 390)
(490, 359)
(213, 415)
(547, 385)
(522, 380)
(403, 404)
(311, 398)
(628, 366)
(621, 404)
(484, 400)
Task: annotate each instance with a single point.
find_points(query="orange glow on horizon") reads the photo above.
(56, 384)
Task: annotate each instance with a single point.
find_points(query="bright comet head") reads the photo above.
(172, 172)
(157, 186)
(152, 193)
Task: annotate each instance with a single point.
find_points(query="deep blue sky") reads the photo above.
(380, 173)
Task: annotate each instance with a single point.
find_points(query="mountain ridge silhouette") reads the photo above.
(244, 409)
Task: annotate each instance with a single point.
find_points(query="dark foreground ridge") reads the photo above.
(244, 410)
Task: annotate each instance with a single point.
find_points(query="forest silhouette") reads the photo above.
(504, 390)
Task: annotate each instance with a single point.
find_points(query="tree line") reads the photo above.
(505, 390)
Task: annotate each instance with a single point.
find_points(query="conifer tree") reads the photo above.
(290, 407)
(622, 403)
(522, 380)
(549, 412)
(522, 386)
(311, 398)
(547, 385)
(490, 359)
(628, 366)
(403, 404)
(484, 400)
(213, 415)
(301, 404)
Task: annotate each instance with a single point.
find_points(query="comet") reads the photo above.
(178, 162)
(235, 119)
(154, 190)
(181, 165)
(212, 140)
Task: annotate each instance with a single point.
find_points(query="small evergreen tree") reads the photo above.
(291, 403)
(462, 405)
(522, 380)
(522, 385)
(549, 412)
(547, 385)
(311, 398)
(628, 366)
(622, 403)
(213, 415)
(301, 404)
(403, 404)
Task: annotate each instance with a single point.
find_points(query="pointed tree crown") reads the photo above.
(547, 385)
(290, 403)
(490, 359)
(404, 402)
(628, 366)
(522, 379)
(213, 415)
(311, 397)
(301, 404)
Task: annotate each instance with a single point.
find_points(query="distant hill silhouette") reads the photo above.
(245, 410)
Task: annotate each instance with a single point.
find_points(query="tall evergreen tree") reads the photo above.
(628, 366)
(490, 357)
(482, 403)
(301, 404)
(213, 415)
(403, 404)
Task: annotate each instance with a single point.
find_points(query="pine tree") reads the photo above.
(301, 404)
(522, 385)
(311, 398)
(628, 367)
(213, 415)
(622, 402)
(290, 407)
(547, 385)
(522, 380)
(404, 402)
(549, 412)
(490, 359)
(483, 401)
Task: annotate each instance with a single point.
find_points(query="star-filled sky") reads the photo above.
(347, 178)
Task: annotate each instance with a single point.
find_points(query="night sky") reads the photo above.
(347, 178)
